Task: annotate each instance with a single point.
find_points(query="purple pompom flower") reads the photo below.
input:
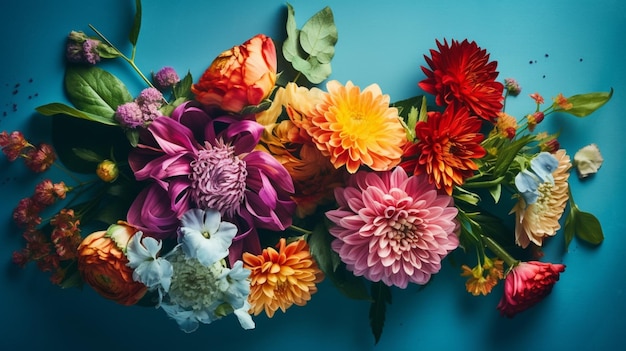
(166, 77)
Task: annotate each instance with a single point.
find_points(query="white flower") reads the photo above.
(204, 236)
(148, 268)
(588, 160)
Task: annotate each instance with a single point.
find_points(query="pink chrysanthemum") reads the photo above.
(393, 228)
(202, 162)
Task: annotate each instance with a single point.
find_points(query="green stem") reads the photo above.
(499, 251)
(130, 60)
(300, 229)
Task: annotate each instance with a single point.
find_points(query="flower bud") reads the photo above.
(108, 171)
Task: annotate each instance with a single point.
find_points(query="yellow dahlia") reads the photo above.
(314, 177)
(354, 128)
(280, 279)
(540, 219)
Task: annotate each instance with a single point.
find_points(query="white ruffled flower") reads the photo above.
(588, 160)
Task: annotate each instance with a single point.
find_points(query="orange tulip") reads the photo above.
(242, 76)
(102, 264)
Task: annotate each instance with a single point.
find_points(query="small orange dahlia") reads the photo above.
(449, 142)
(478, 283)
(355, 128)
(280, 279)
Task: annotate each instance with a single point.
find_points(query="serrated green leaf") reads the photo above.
(381, 295)
(87, 155)
(134, 31)
(588, 228)
(585, 104)
(57, 108)
(318, 36)
(94, 90)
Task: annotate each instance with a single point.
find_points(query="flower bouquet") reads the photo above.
(240, 191)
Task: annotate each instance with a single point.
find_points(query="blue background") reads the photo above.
(575, 47)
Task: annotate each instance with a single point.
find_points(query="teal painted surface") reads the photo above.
(574, 47)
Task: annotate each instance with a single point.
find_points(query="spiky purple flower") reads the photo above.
(198, 161)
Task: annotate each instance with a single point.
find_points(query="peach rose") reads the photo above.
(102, 264)
(242, 76)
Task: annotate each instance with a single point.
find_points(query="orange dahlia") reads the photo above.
(279, 279)
(355, 128)
(449, 142)
(461, 72)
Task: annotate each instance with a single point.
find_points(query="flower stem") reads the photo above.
(131, 60)
(300, 229)
(499, 251)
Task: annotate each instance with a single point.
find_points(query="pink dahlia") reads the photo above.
(197, 161)
(393, 228)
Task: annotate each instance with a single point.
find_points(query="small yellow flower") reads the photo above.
(483, 278)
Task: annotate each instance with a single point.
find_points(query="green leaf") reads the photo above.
(319, 36)
(583, 225)
(70, 133)
(134, 31)
(496, 192)
(585, 104)
(182, 89)
(319, 244)
(317, 71)
(72, 279)
(570, 230)
(330, 263)
(262, 106)
(94, 90)
(290, 45)
(107, 51)
(133, 136)
(87, 155)
(507, 154)
(57, 108)
(588, 228)
(314, 64)
(381, 295)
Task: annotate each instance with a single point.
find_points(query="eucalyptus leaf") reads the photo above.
(318, 36)
(381, 295)
(134, 32)
(290, 45)
(57, 108)
(585, 104)
(94, 90)
(318, 71)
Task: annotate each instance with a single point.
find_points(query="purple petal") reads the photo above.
(150, 212)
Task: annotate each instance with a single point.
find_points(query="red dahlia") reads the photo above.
(461, 72)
